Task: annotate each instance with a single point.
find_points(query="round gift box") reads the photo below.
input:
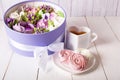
(25, 44)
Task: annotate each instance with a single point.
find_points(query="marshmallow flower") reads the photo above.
(72, 60)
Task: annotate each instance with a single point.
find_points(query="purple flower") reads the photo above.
(18, 28)
(29, 30)
(26, 24)
(22, 23)
(45, 22)
(27, 9)
(30, 25)
(33, 10)
(8, 20)
(42, 23)
(46, 17)
(47, 8)
(27, 27)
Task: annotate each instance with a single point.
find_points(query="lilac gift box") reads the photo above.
(25, 44)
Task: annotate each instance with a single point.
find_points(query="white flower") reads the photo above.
(15, 15)
(22, 13)
(50, 28)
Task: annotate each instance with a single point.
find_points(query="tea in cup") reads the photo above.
(79, 37)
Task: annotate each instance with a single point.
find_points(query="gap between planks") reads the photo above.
(98, 53)
(8, 66)
(37, 74)
(111, 28)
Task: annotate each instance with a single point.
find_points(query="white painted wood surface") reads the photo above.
(21, 68)
(107, 45)
(97, 72)
(79, 8)
(114, 23)
(66, 6)
(106, 49)
(0, 10)
(5, 52)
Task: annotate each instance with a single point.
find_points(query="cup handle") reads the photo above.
(94, 37)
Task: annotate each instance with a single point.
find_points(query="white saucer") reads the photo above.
(90, 64)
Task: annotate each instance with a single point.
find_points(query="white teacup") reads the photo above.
(79, 37)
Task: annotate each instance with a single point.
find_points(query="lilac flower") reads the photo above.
(27, 9)
(42, 23)
(46, 17)
(52, 16)
(33, 10)
(8, 20)
(45, 22)
(22, 23)
(29, 28)
(31, 16)
(30, 25)
(47, 8)
(18, 28)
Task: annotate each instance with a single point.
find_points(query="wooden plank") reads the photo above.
(89, 8)
(96, 73)
(114, 23)
(118, 8)
(76, 21)
(66, 4)
(78, 8)
(96, 8)
(99, 7)
(5, 51)
(96, 70)
(111, 7)
(21, 68)
(54, 73)
(0, 10)
(103, 6)
(107, 46)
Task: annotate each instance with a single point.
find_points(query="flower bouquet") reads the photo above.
(32, 24)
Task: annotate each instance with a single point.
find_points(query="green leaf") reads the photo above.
(40, 12)
(24, 18)
(59, 13)
(32, 17)
(50, 23)
(10, 24)
(44, 11)
(35, 29)
(46, 30)
(15, 22)
(32, 22)
(38, 15)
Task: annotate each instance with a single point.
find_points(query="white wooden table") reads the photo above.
(106, 49)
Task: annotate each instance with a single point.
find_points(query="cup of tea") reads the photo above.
(79, 37)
